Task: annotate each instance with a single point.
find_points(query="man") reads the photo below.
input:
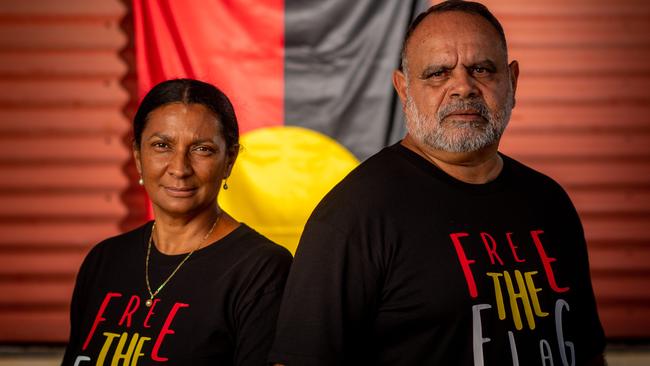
(439, 250)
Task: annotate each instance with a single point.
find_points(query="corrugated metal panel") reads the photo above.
(66, 82)
(65, 85)
(583, 117)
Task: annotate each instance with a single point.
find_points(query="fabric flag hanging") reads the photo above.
(310, 81)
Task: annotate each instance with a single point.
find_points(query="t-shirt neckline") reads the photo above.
(438, 174)
(169, 259)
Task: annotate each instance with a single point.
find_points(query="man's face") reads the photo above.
(457, 89)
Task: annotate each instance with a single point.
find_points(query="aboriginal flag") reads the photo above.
(310, 81)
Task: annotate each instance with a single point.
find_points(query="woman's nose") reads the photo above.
(180, 165)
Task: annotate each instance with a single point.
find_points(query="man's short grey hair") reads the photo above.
(469, 7)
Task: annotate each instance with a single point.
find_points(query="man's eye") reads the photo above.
(480, 70)
(437, 74)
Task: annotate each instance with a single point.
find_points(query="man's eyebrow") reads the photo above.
(430, 69)
(487, 63)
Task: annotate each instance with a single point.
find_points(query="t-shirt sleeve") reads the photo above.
(329, 299)
(77, 306)
(256, 327)
(257, 314)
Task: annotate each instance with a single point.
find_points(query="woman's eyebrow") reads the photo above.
(161, 136)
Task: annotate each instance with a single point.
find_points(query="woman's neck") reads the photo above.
(182, 234)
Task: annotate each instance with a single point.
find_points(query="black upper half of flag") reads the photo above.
(339, 59)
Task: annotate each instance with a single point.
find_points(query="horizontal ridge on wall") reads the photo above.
(66, 84)
(582, 116)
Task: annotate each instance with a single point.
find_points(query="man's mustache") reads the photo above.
(465, 106)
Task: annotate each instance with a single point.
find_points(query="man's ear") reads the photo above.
(513, 70)
(514, 74)
(399, 83)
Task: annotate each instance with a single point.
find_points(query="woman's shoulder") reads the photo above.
(256, 244)
(258, 265)
(121, 243)
(116, 249)
(247, 250)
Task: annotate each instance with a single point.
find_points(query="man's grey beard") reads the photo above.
(458, 136)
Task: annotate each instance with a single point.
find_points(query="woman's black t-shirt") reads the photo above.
(220, 308)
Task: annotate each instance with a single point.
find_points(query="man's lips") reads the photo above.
(468, 115)
(465, 112)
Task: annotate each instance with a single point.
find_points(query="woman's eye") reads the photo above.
(204, 149)
(160, 145)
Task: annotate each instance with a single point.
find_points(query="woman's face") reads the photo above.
(183, 159)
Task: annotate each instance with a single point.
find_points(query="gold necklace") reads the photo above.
(146, 263)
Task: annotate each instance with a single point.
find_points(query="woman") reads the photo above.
(193, 287)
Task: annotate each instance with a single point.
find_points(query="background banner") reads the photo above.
(322, 66)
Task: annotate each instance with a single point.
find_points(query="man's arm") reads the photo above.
(598, 361)
(330, 292)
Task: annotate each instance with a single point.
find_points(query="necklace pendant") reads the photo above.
(148, 303)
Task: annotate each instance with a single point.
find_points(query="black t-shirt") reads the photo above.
(220, 308)
(401, 264)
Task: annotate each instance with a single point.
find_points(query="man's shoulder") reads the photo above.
(529, 180)
(362, 190)
(372, 176)
(383, 165)
(523, 173)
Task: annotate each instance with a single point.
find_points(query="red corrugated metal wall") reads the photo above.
(66, 86)
(583, 117)
(65, 77)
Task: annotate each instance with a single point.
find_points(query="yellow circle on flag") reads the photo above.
(280, 176)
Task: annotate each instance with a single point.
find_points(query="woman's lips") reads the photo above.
(180, 191)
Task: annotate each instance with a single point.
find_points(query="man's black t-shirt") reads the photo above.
(220, 308)
(401, 264)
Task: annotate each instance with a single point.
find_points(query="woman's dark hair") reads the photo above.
(188, 91)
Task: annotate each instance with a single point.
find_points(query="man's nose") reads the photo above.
(463, 85)
(180, 164)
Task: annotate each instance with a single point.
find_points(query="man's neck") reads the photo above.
(475, 167)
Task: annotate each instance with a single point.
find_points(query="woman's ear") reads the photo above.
(230, 160)
(136, 157)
